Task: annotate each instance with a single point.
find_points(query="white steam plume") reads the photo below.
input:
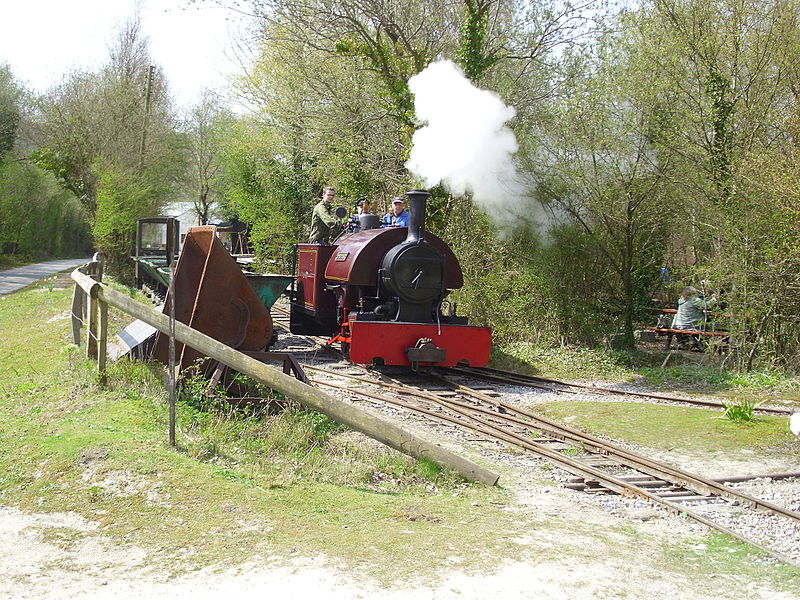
(465, 144)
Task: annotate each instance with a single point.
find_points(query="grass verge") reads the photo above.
(665, 427)
(697, 374)
(237, 487)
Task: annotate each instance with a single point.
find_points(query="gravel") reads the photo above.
(776, 533)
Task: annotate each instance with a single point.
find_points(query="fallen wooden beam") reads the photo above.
(375, 426)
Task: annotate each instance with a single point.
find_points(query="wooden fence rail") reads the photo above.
(97, 297)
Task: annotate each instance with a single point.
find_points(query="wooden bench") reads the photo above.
(670, 332)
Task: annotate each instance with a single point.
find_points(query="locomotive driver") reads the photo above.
(323, 218)
(398, 217)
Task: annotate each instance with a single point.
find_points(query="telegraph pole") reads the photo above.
(148, 94)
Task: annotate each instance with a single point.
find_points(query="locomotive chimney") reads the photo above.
(417, 199)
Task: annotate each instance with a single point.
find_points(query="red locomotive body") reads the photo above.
(381, 292)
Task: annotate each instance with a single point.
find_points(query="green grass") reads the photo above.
(711, 377)
(682, 373)
(560, 362)
(665, 427)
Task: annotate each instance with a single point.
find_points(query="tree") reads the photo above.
(599, 164)
(204, 129)
(327, 116)
(37, 216)
(393, 40)
(726, 75)
(10, 95)
(268, 190)
(90, 129)
(93, 118)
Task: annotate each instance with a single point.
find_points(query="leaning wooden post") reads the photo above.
(373, 425)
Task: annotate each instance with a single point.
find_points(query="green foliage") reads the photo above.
(37, 216)
(472, 55)
(92, 123)
(394, 64)
(740, 411)
(10, 110)
(501, 289)
(69, 160)
(269, 193)
(122, 199)
(718, 87)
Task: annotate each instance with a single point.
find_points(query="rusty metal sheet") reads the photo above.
(213, 296)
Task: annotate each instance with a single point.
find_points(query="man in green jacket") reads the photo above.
(323, 218)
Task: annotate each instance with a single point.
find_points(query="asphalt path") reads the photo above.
(16, 279)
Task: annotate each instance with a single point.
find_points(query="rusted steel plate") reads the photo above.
(213, 296)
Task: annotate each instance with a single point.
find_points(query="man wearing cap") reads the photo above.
(398, 217)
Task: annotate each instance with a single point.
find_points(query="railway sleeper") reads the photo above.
(682, 495)
(595, 460)
(699, 500)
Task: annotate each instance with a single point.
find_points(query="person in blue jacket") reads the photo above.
(398, 216)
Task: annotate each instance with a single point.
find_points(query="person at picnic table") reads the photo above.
(398, 216)
(691, 312)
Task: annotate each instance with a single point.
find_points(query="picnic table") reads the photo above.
(669, 331)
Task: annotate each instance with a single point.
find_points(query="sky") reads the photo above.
(42, 40)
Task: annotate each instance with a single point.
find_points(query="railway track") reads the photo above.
(555, 385)
(564, 387)
(598, 466)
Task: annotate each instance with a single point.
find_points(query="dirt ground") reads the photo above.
(63, 556)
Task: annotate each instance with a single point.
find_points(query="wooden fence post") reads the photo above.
(96, 315)
(91, 327)
(78, 296)
(102, 339)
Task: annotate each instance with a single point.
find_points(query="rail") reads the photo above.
(599, 465)
(92, 299)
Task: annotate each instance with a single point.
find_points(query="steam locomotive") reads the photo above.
(382, 293)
